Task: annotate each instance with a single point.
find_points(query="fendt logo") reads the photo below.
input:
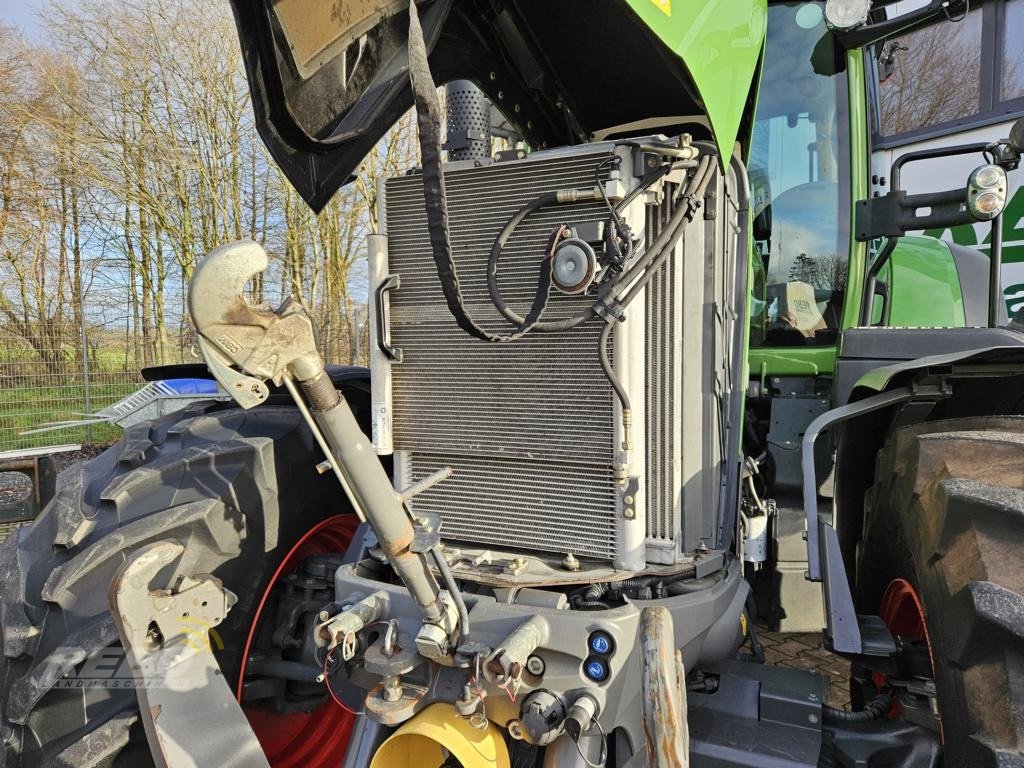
(111, 668)
(978, 236)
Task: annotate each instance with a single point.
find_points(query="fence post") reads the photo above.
(85, 377)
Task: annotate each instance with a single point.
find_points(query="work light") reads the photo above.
(986, 192)
(846, 14)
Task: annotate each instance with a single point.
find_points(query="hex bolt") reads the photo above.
(535, 666)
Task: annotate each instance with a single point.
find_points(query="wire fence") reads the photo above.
(58, 372)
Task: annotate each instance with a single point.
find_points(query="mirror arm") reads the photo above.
(908, 22)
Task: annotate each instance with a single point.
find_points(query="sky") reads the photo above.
(22, 14)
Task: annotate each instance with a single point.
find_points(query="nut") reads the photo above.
(535, 666)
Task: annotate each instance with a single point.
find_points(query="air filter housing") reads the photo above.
(532, 428)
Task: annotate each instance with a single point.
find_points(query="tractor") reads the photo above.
(655, 367)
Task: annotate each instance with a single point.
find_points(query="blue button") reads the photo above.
(596, 670)
(601, 643)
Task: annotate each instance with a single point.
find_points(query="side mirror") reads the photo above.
(1017, 136)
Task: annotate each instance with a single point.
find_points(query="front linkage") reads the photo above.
(245, 347)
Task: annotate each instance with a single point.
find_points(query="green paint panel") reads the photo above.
(792, 361)
(924, 285)
(860, 160)
(720, 43)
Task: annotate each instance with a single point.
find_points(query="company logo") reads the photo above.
(111, 668)
(977, 236)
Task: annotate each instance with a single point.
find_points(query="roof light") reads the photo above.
(846, 14)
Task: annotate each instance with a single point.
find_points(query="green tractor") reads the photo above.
(656, 366)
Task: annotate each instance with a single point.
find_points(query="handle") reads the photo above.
(389, 283)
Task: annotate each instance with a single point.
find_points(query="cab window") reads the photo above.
(796, 169)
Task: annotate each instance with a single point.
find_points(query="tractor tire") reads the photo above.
(943, 550)
(237, 488)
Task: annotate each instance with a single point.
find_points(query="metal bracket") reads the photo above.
(189, 712)
(628, 496)
(824, 558)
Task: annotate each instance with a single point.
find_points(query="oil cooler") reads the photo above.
(532, 428)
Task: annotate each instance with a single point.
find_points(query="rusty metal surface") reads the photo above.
(190, 714)
(664, 692)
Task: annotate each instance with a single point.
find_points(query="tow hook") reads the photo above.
(190, 714)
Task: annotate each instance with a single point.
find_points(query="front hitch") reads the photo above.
(245, 346)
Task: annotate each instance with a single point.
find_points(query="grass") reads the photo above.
(30, 405)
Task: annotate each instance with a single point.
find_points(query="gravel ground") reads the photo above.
(15, 486)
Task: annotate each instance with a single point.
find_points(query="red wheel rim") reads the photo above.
(317, 739)
(903, 613)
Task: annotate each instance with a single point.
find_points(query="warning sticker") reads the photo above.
(665, 6)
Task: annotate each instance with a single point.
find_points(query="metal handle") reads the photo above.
(383, 328)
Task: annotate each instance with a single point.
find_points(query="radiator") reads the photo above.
(530, 428)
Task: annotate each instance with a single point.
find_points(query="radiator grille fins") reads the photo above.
(660, 406)
(527, 426)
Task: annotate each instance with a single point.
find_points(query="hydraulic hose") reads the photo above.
(649, 263)
(428, 120)
(543, 201)
(873, 710)
(661, 249)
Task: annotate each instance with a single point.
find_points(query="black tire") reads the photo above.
(209, 477)
(946, 514)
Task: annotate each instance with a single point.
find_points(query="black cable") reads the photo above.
(542, 201)
(428, 119)
(756, 654)
(873, 710)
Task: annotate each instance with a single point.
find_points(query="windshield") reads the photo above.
(795, 169)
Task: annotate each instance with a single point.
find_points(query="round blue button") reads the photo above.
(601, 643)
(596, 670)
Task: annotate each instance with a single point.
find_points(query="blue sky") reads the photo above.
(22, 14)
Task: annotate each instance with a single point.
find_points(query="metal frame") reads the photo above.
(824, 558)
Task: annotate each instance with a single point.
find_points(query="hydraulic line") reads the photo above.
(428, 119)
(543, 201)
(873, 710)
(653, 258)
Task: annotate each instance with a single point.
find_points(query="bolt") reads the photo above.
(493, 76)
(323, 615)
(392, 688)
(570, 563)
(812, 719)
(535, 666)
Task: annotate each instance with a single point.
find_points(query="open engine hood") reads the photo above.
(329, 77)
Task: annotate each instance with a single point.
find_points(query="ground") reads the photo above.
(804, 651)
